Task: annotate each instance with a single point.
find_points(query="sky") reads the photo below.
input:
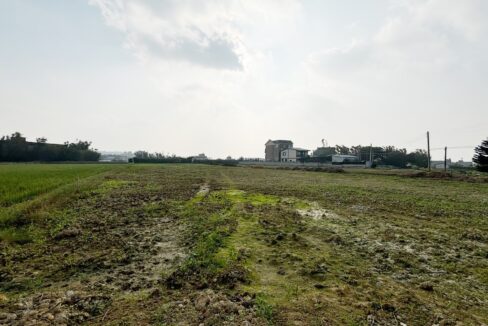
(221, 77)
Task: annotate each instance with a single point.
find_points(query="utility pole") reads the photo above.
(428, 150)
(445, 159)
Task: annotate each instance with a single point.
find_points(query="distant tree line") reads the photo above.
(387, 155)
(146, 157)
(15, 148)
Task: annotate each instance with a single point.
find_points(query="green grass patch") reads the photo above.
(263, 307)
(31, 193)
(21, 182)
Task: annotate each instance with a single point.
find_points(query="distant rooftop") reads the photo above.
(298, 149)
(344, 155)
(280, 141)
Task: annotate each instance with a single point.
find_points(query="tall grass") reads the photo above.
(26, 188)
(21, 182)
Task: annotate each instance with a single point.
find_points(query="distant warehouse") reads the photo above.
(341, 159)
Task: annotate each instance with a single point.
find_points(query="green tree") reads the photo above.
(15, 148)
(141, 154)
(324, 151)
(418, 158)
(343, 150)
(395, 156)
(481, 156)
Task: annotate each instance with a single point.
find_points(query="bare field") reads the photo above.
(194, 244)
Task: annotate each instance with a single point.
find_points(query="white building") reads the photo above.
(440, 164)
(293, 154)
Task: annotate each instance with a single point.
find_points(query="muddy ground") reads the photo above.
(193, 245)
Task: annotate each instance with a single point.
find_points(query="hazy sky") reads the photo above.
(223, 77)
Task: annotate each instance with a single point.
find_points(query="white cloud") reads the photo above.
(204, 33)
(258, 69)
(203, 54)
(420, 36)
(443, 17)
(198, 33)
(211, 62)
(424, 68)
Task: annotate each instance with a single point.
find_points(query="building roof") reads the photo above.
(298, 149)
(280, 141)
(344, 155)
